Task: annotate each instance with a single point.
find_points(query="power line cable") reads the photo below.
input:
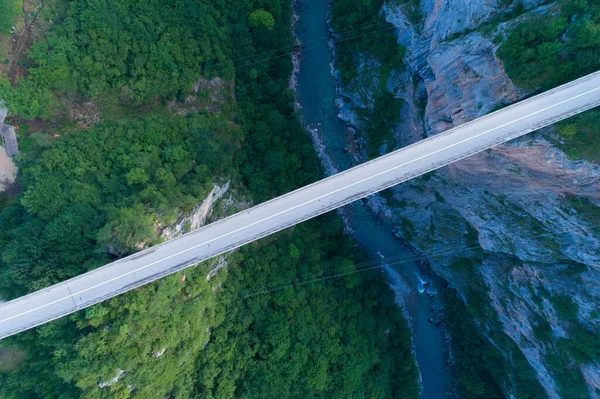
(376, 264)
(432, 253)
(371, 265)
(302, 49)
(380, 264)
(209, 72)
(402, 258)
(303, 43)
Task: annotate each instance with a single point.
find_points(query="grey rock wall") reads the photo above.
(524, 211)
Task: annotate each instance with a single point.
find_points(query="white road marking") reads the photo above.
(305, 203)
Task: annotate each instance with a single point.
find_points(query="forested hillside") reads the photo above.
(93, 192)
(105, 189)
(544, 51)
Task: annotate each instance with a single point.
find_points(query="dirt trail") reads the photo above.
(23, 40)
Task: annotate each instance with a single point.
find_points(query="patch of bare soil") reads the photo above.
(211, 95)
(85, 114)
(10, 358)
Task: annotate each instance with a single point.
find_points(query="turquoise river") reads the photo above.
(316, 95)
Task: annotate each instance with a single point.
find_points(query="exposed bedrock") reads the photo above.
(534, 212)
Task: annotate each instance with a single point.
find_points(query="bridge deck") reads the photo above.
(285, 211)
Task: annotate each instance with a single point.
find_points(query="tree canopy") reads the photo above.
(9, 9)
(138, 50)
(547, 50)
(262, 18)
(90, 196)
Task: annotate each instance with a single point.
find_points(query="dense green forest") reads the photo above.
(89, 196)
(104, 188)
(547, 50)
(226, 337)
(141, 49)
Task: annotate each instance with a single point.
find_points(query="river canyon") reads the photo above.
(416, 292)
(526, 212)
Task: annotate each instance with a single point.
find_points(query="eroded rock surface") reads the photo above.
(523, 211)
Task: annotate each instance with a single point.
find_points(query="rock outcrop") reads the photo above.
(527, 215)
(8, 138)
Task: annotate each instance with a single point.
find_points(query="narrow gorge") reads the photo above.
(367, 221)
(140, 121)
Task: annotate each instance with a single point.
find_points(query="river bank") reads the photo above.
(416, 293)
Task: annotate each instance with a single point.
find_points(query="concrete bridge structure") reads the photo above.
(307, 202)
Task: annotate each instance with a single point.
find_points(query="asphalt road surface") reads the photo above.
(305, 203)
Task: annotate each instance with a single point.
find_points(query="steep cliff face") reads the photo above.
(525, 214)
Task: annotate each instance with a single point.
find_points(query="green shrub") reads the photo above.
(565, 307)
(583, 344)
(568, 376)
(27, 99)
(262, 18)
(9, 9)
(483, 371)
(547, 50)
(542, 330)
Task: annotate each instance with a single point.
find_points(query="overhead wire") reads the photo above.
(363, 266)
(401, 258)
(430, 253)
(301, 49)
(209, 71)
(375, 264)
(293, 47)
